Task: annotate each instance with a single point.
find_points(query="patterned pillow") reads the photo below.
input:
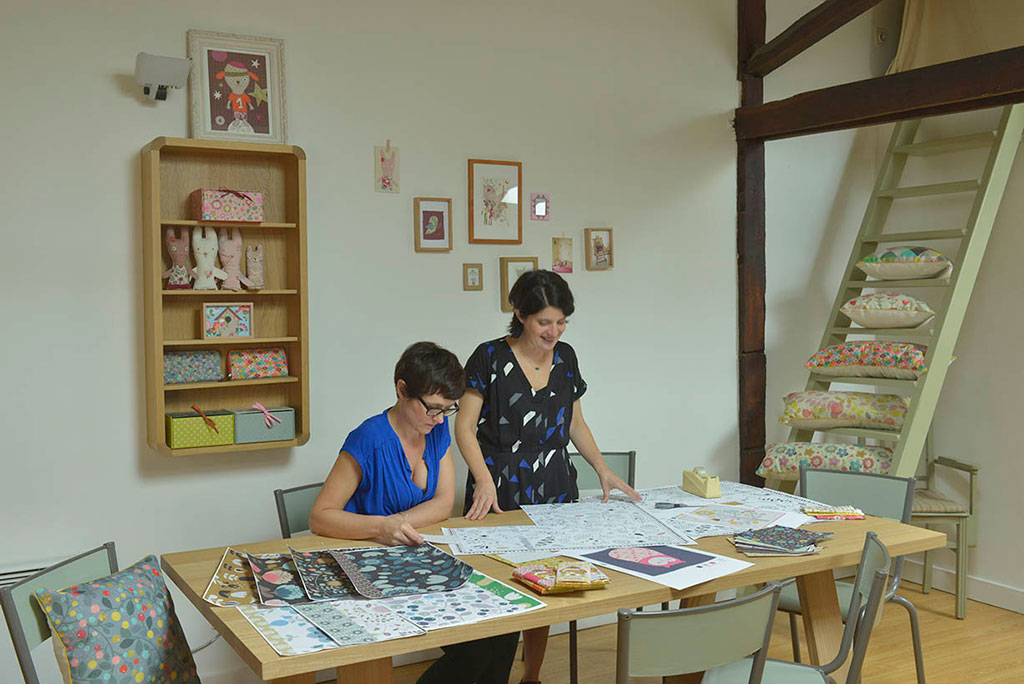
(120, 629)
(815, 410)
(905, 262)
(887, 310)
(870, 359)
(783, 460)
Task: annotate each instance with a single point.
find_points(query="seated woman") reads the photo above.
(394, 474)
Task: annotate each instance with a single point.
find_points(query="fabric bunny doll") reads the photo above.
(178, 277)
(204, 248)
(254, 261)
(231, 260)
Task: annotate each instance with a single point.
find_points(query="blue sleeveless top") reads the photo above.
(387, 487)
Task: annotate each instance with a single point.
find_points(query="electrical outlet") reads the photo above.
(881, 35)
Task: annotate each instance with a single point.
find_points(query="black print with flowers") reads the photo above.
(120, 629)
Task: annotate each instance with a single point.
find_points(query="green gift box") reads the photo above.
(251, 425)
(188, 429)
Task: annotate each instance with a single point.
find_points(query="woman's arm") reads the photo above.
(329, 519)
(583, 439)
(485, 494)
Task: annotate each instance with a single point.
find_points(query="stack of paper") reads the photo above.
(778, 541)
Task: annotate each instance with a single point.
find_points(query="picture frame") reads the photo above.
(561, 254)
(511, 269)
(472, 277)
(432, 224)
(540, 206)
(227, 319)
(599, 249)
(236, 89)
(495, 212)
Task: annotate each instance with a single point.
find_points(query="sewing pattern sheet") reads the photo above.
(358, 622)
(232, 583)
(481, 598)
(321, 576)
(277, 581)
(399, 570)
(286, 631)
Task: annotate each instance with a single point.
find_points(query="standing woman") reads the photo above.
(519, 413)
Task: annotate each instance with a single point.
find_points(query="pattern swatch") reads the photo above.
(277, 581)
(286, 631)
(358, 622)
(232, 583)
(400, 570)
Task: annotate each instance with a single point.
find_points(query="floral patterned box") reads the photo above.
(251, 425)
(227, 205)
(187, 429)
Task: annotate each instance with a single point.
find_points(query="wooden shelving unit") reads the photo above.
(171, 169)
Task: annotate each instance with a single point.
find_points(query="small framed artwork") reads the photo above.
(385, 168)
(511, 269)
(561, 254)
(432, 223)
(495, 214)
(540, 206)
(237, 87)
(227, 319)
(600, 252)
(472, 277)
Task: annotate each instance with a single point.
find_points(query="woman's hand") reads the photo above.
(396, 531)
(485, 500)
(610, 481)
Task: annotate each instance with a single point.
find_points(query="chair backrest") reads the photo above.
(294, 506)
(622, 463)
(870, 616)
(26, 621)
(673, 642)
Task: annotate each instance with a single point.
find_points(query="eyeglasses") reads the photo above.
(435, 412)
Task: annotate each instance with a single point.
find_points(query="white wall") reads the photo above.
(620, 111)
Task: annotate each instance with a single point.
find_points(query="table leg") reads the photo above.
(371, 672)
(823, 622)
(693, 677)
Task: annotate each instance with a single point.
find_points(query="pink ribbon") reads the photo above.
(268, 417)
(236, 193)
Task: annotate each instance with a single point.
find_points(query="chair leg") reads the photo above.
(794, 637)
(915, 635)
(926, 575)
(961, 568)
(573, 663)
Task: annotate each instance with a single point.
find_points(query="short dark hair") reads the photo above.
(535, 291)
(428, 368)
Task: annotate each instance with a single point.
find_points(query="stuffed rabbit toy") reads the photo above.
(178, 276)
(231, 260)
(254, 261)
(204, 248)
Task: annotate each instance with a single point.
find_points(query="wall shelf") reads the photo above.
(220, 384)
(235, 294)
(229, 341)
(224, 224)
(230, 448)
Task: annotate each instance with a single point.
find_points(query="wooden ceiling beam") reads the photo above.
(990, 80)
(805, 32)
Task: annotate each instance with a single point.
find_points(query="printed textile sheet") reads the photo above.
(358, 622)
(322, 577)
(232, 583)
(674, 567)
(400, 570)
(481, 598)
(277, 581)
(286, 631)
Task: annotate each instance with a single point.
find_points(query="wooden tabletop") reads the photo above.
(191, 572)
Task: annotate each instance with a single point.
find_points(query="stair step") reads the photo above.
(943, 145)
(866, 433)
(885, 284)
(915, 236)
(891, 383)
(887, 332)
(931, 189)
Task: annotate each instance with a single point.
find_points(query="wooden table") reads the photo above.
(191, 572)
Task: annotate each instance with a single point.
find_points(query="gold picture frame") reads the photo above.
(599, 248)
(495, 211)
(511, 269)
(472, 277)
(432, 224)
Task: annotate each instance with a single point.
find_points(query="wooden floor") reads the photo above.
(986, 648)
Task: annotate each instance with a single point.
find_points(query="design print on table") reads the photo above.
(650, 560)
(232, 583)
(358, 622)
(322, 577)
(286, 631)
(277, 580)
(399, 570)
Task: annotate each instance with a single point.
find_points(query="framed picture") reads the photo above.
(540, 206)
(227, 319)
(432, 223)
(511, 269)
(600, 253)
(472, 277)
(495, 214)
(561, 254)
(237, 87)
(385, 168)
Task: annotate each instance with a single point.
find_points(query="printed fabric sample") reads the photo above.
(358, 622)
(277, 581)
(322, 577)
(232, 583)
(785, 538)
(399, 570)
(873, 358)
(783, 460)
(286, 631)
(824, 410)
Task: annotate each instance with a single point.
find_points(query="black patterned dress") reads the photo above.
(523, 433)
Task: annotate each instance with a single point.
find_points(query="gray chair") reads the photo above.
(294, 506)
(26, 621)
(884, 496)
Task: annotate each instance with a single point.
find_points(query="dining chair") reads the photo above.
(294, 506)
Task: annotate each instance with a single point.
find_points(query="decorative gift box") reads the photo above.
(189, 429)
(257, 363)
(264, 424)
(227, 205)
(560, 575)
(192, 366)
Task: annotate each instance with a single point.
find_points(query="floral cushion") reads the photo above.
(870, 359)
(887, 310)
(815, 410)
(120, 629)
(782, 461)
(904, 262)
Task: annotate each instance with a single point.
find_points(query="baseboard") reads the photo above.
(978, 589)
